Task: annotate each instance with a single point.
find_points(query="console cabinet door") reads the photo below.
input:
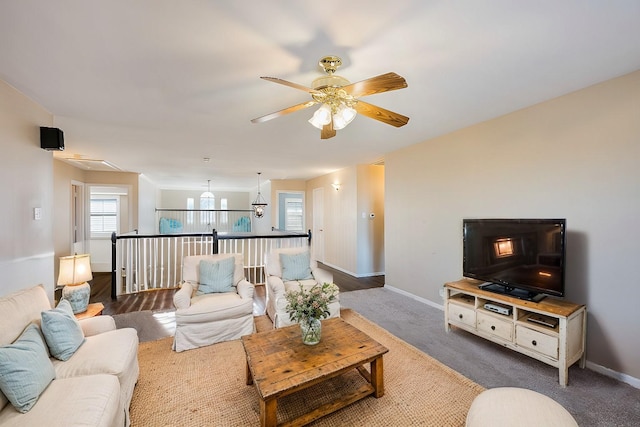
(534, 340)
(501, 328)
(461, 314)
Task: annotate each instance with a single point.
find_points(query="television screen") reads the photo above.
(523, 258)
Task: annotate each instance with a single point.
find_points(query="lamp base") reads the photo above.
(78, 296)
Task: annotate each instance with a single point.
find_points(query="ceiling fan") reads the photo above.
(340, 99)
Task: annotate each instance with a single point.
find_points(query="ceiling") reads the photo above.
(156, 86)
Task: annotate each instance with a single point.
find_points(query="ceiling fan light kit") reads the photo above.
(338, 99)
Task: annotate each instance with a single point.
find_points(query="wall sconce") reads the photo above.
(336, 186)
(75, 271)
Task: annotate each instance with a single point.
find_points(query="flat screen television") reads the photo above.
(522, 258)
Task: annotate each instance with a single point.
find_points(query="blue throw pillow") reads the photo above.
(216, 276)
(295, 266)
(25, 369)
(62, 331)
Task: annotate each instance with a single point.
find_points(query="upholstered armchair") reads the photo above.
(286, 269)
(214, 303)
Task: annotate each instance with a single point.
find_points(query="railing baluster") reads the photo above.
(155, 261)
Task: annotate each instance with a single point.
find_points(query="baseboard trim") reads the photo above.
(627, 379)
(351, 273)
(619, 376)
(415, 297)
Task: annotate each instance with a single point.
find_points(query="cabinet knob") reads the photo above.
(493, 328)
(460, 316)
(534, 342)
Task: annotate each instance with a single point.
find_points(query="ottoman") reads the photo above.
(516, 407)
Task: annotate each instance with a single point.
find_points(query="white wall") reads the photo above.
(574, 157)
(26, 245)
(177, 199)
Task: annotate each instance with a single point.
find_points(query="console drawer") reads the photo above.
(460, 314)
(502, 328)
(534, 340)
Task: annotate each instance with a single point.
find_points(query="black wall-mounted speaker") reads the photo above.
(51, 139)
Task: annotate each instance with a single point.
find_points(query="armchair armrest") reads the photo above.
(276, 286)
(97, 325)
(277, 291)
(182, 298)
(322, 276)
(245, 289)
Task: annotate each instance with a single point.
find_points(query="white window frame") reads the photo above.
(102, 214)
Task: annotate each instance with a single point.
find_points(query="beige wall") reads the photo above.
(339, 211)
(26, 245)
(64, 175)
(130, 180)
(370, 230)
(353, 242)
(574, 157)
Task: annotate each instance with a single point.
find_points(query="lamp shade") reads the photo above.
(74, 269)
(321, 117)
(343, 117)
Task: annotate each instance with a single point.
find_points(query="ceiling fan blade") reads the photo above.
(378, 84)
(328, 131)
(290, 84)
(378, 113)
(288, 110)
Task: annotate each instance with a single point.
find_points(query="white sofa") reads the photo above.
(212, 317)
(93, 387)
(276, 287)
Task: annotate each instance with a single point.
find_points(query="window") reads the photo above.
(207, 202)
(190, 207)
(104, 216)
(224, 216)
(293, 214)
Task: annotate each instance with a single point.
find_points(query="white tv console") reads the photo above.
(524, 326)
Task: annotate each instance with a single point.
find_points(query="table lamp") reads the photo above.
(75, 271)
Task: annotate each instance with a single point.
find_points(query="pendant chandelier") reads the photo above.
(207, 194)
(259, 203)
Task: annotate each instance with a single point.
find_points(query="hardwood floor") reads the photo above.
(162, 300)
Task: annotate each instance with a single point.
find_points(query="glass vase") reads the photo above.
(311, 330)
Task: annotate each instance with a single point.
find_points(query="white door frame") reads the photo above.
(78, 227)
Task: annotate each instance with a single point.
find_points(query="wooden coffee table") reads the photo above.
(280, 364)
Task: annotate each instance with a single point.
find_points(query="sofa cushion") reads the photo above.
(191, 266)
(212, 307)
(216, 276)
(19, 309)
(25, 369)
(62, 331)
(295, 266)
(107, 353)
(82, 401)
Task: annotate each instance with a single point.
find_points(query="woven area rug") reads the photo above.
(206, 387)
